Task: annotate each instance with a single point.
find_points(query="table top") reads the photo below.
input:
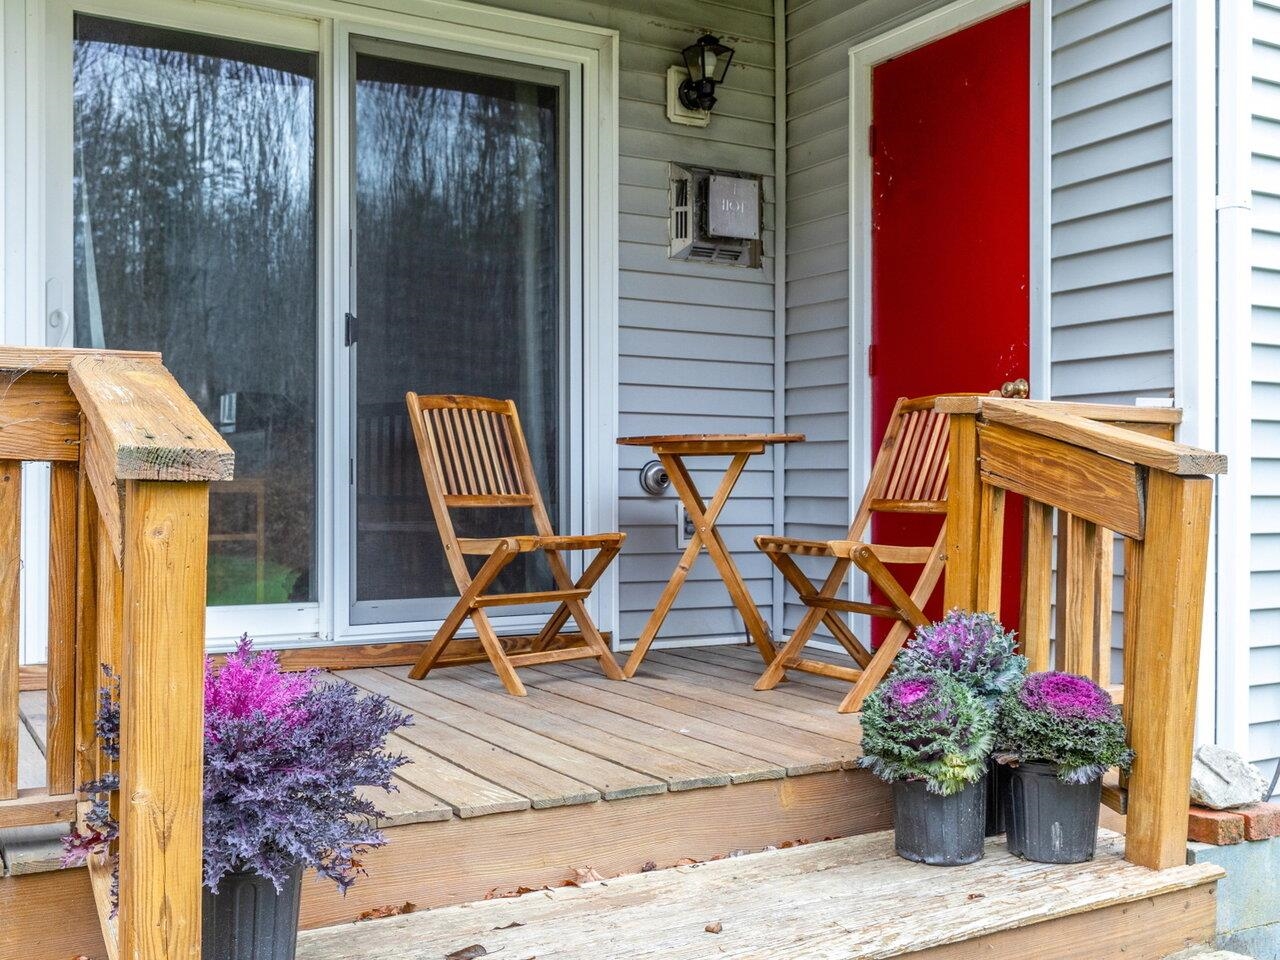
(709, 442)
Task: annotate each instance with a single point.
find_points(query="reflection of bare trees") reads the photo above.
(195, 186)
(458, 274)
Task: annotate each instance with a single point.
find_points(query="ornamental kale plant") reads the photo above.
(1063, 719)
(927, 726)
(973, 647)
(285, 755)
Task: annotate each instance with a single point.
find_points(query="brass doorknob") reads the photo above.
(1016, 389)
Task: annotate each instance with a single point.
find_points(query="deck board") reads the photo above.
(810, 901)
(689, 720)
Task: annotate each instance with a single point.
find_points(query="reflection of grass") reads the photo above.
(233, 580)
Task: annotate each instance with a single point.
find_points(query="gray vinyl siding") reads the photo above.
(695, 341)
(1111, 200)
(1264, 554)
(817, 396)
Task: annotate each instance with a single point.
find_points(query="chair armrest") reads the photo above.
(793, 545)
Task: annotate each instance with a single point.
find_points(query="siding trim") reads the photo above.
(1194, 294)
(1235, 308)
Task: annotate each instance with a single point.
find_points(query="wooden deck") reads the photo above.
(851, 899)
(685, 761)
(689, 720)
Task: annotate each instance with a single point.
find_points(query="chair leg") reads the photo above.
(910, 606)
(497, 656)
(874, 671)
(830, 619)
(500, 557)
(594, 571)
(774, 673)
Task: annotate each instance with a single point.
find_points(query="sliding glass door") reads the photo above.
(459, 286)
(195, 233)
(308, 217)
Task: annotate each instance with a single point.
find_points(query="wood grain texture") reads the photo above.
(162, 718)
(1077, 595)
(827, 913)
(148, 428)
(63, 566)
(39, 417)
(960, 589)
(1083, 482)
(1037, 583)
(1117, 413)
(1040, 417)
(1161, 692)
(59, 359)
(10, 627)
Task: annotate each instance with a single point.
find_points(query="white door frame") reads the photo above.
(587, 52)
(863, 58)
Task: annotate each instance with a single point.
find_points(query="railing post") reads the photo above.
(162, 719)
(1160, 695)
(964, 492)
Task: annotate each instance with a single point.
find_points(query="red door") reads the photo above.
(950, 236)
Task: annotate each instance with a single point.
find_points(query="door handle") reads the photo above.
(1015, 389)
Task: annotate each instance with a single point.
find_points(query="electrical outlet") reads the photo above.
(684, 526)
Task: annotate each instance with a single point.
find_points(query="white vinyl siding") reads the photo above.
(1264, 553)
(695, 341)
(1111, 200)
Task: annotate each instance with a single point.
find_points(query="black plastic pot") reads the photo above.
(937, 830)
(247, 920)
(1050, 821)
(997, 786)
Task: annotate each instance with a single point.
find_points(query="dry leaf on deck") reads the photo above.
(510, 926)
(467, 953)
(388, 910)
(648, 866)
(685, 862)
(585, 875)
(713, 927)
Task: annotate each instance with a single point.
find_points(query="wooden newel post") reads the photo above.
(1164, 631)
(964, 509)
(166, 527)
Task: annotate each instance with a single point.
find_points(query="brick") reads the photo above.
(1261, 820)
(1219, 827)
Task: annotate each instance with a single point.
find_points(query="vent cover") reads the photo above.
(690, 236)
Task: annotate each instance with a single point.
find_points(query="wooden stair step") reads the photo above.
(1054, 912)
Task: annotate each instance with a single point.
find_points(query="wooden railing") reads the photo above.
(1102, 479)
(131, 459)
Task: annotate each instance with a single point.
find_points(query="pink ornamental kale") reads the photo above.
(973, 647)
(928, 727)
(1063, 719)
(285, 757)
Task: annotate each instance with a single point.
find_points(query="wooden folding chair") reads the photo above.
(474, 454)
(909, 476)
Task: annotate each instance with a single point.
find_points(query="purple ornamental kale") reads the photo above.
(285, 758)
(928, 727)
(1063, 719)
(973, 647)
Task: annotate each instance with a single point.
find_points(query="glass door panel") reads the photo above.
(459, 267)
(195, 235)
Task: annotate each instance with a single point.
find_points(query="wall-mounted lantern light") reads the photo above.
(707, 61)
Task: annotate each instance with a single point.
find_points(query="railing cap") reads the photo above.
(146, 426)
(1086, 425)
(58, 359)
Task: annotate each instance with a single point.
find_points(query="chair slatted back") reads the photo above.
(479, 452)
(911, 468)
(473, 454)
(918, 460)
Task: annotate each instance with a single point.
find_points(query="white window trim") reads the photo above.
(862, 60)
(589, 52)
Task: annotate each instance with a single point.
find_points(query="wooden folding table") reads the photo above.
(672, 451)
